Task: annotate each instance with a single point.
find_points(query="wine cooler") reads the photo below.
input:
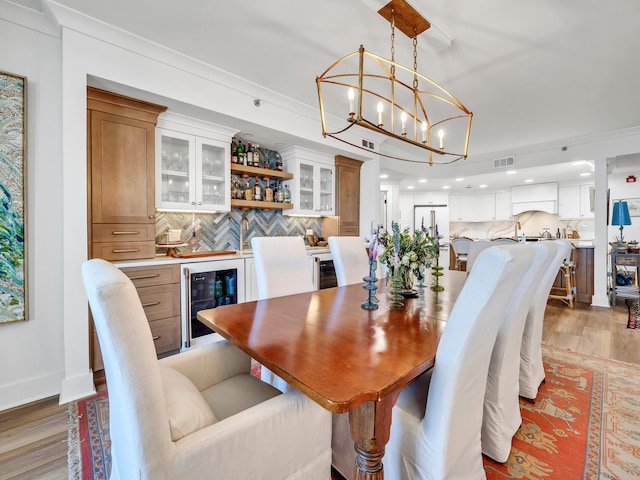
(211, 284)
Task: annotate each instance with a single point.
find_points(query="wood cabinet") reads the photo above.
(121, 185)
(348, 195)
(159, 290)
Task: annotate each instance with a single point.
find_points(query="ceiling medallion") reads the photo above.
(386, 97)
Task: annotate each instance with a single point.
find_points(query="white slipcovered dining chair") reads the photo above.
(435, 431)
(282, 268)
(198, 414)
(350, 259)
(531, 366)
(502, 418)
(474, 250)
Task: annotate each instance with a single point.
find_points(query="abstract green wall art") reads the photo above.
(13, 292)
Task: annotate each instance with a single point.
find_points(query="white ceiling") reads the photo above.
(532, 72)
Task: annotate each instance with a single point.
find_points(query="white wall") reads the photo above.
(621, 190)
(31, 352)
(92, 50)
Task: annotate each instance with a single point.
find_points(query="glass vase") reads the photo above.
(396, 288)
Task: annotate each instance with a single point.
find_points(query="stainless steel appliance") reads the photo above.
(324, 273)
(210, 284)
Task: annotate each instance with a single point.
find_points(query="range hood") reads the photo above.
(549, 206)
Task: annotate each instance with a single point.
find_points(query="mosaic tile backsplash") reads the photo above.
(221, 231)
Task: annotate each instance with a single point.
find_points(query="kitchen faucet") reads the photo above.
(244, 221)
(517, 227)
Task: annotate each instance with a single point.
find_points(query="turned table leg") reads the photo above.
(370, 424)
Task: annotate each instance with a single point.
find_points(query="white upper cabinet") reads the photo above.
(503, 206)
(313, 184)
(575, 201)
(192, 165)
(541, 196)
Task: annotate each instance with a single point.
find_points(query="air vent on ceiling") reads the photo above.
(505, 162)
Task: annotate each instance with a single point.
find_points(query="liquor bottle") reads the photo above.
(249, 155)
(240, 153)
(268, 193)
(287, 194)
(278, 162)
(257, 157)
(279, 193)
(257, 191)
(248, 192)
(234, 153)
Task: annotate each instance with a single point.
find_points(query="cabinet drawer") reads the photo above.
(124, 251)
(161, 301)
(166, 334)
(352, 230)
(150, 276)
(124, 232)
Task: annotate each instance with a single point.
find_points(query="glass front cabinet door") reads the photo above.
(312, 187)
(192, 171)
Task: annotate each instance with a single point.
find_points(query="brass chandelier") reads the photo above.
(379, 92)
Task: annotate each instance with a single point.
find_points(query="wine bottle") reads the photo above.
(240, 153)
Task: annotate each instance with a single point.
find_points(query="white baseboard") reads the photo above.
(77, 387)
(600, 301)
(30, 390)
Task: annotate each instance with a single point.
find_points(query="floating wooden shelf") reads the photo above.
(248, 204)
(264, 173)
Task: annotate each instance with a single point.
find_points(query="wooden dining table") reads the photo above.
(345, 358)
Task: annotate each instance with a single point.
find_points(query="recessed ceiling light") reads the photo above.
(446, 187)
(484, 185)
(247, 135)
(423, 180)
(585, 174)
(510, 172)
(384, 175)
(459, 179)
(410, 187)
(529, 180)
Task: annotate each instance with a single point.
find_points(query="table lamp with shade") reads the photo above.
(620, 217)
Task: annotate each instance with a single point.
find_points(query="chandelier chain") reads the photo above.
(415, 60)
(393, 37)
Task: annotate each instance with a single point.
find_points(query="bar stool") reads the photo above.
(568, 292)
(460, 247)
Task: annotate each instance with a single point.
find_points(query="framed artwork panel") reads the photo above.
(634, 206)
(13, 287)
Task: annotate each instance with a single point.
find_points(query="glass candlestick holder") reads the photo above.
(372, 301)
(395, 290)
(436, 271)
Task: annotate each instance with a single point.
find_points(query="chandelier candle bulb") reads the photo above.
(380, 109)
(423, 127)
(352, 96)
(403, 119)
(441, 135)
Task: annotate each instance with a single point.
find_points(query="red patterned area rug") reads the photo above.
(584, 424)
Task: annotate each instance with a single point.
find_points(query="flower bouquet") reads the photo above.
(407, 255)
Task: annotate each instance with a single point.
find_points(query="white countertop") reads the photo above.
(162, 259)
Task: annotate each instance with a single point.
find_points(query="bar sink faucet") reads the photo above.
(244, 221)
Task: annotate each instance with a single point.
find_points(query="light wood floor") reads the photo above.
(33, 438)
